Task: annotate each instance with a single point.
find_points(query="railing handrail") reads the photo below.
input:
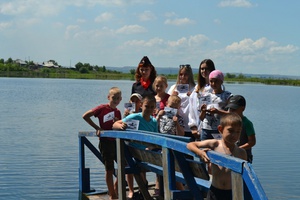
(178, 143)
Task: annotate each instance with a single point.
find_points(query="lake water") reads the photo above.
(40, 120)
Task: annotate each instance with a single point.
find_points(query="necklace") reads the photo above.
(230, 152)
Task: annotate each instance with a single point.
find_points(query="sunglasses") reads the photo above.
(185, 66)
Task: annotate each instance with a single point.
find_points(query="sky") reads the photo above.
(240, 36)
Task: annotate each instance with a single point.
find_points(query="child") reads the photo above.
(135, 99)
(230, 127)
(168, 122)
(185, 77)
(214, 106)
(146, 121)
(160, 85)
(237, 104)
(171, 123)
(107, 115)
(196, 99)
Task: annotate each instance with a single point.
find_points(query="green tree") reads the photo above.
(132, 71)
(230, 76)
(9, 61)
(103, 68)
(241, 76)
(78, 66)
(83, 70)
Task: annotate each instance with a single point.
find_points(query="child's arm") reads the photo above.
(179, 128)
(206, 145)
(87, 117)
(120, 125)
(203, 112)
(158, 116)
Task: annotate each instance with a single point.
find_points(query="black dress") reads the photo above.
(138, 88)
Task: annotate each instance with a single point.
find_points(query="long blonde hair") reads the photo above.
(189, 71)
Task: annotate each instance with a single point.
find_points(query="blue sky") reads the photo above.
(240, 36)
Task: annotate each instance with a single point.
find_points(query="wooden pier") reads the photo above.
(173, 164)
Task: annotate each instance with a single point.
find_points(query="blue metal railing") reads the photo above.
(242, 170)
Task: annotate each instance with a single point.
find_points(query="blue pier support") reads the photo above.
(84, 173)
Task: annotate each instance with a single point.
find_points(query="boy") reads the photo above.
(230, 127)
(135, 98)
(146, 123)
(168, 122)
(237, 104)
(107, 115)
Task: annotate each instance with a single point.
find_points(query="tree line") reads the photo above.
(13, 68)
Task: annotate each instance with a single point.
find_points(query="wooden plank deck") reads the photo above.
(104, 195)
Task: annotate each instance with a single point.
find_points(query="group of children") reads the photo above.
(221, 124)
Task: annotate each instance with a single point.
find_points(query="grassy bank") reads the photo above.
(67, 73)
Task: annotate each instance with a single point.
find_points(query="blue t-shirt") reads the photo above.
(144, 125)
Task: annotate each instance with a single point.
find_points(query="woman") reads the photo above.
(196, 99)
(185, 77)
(144, 75)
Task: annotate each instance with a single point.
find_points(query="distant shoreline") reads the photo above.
(128, 76)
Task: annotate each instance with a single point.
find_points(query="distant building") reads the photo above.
(50, 64)
(20, 62)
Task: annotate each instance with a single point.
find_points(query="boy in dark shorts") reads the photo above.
(230, 127)
(107, 115)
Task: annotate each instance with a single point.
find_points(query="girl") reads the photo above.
(214, 106)
(144, 75)
(197, 99)
(159, 86)
(185, 77)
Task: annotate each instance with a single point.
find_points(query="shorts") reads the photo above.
(218, 194)
(207, 134)
(109, 154)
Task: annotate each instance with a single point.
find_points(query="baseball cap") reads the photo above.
(236, 101)
(216, 74)
(136, 95)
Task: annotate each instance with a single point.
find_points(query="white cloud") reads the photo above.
(179, 22)
(147, 16)
(235, 3)
(283, 49)
(71, 30)
(131, 29)
(248, 46)
(5, 25)
(104, 17)
(31, 7)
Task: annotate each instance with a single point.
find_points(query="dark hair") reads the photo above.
(145, 62)
(201, 80)
(149, 97)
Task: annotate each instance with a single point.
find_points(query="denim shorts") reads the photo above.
(207, 134)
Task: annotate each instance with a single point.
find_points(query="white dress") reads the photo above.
(197, 99)
(184, 108)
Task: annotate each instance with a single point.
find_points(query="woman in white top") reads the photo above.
(197, 98)
(184, 87)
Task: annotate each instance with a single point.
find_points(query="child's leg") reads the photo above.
(110, 184)
(130, 185)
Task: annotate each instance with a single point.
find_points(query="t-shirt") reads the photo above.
(144, 125)
(218, 101)
(168, 126)
(107, 116)
(247, 130)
